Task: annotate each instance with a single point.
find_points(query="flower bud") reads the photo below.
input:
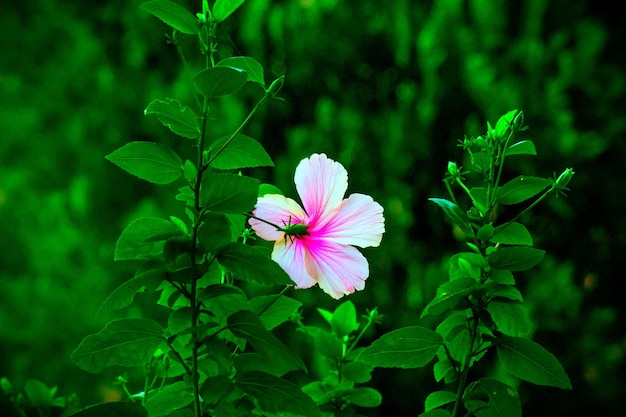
(564, 179)
(453, 170)
(518, 121)
(275, 87)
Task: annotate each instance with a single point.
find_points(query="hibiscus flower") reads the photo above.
(315, 244)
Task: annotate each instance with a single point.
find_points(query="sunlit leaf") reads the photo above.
(125, 342)
(531, 362)
(515, 258)
(149, 161)
(252, 68)
(449, 295)
(344, 320)
(224, 8)
(179, 119)
(219, 81)
(456, 215)
(241, 152)
(438, 398)
(229, 193)
(512, 234)
(173, 15)
(521, 189)
(524, 147)
(408, 347)
(275, 395)
(274, 310)
(252, 263)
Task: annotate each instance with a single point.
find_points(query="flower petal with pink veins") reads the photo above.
(357, 221)
(338, 269)
(290, 254)
(276, 209)
(321, 184)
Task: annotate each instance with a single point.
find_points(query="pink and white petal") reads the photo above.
(290, 255)
(358, 221)
(276, 209)
(338, 269)
(321, 184)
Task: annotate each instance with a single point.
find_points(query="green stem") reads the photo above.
(466, 365)
(527, 209)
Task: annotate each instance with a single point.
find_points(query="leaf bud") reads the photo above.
(275, 87)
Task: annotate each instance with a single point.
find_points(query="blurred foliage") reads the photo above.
(388, 90)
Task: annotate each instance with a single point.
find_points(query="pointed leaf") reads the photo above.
(455, 214)
(449, 295)
(125, 342)
(344, 320)
(524, 147)
(219, 81)
(252, 68)
(229, 193)
(275, 395)
(123, 295)
(521, 188)
(409, 347)
(274, 311)
(489, 397)
(512, 234)
(515, 258)
(241, 152)
(179, 119)
(531, 362)
(224, 8)
(172, 397)
(364, 397)
(173, 15)
(149, 161)
(38, 393)
(121, 409)
(510, 317)
(252, 263)
(438, 398)
(247, 325)
(144, 238)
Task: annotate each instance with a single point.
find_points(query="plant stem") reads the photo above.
(466, 365)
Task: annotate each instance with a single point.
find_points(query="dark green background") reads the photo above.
(386, 88)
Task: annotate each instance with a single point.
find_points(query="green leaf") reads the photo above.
(510, 317)
(409, 347)
(275, 395)
(121, 409)
(218, 290)
(279, 311)
(241, 152)
(219, 81)
(512, 234)
(524, 147)
(172, 397)
(449, 295)
(252, 263)
(125, 342)
(504, 124)
(123, 295)
(485, 232)
(439, 412)
(216, 388)
(173, 15)
(214, 232)
(265, 189)
(364, 397)
(504, 291)
(489, 397)
(501, 276)
(344, 320)
(357, 371)
(531, 362)
(224, 8)
(229, 193)
(438, 398)
(144, 238)
(179, 119)
(248, 326)
(521, 188)
(149, 161)
(515, 258)
(38, 393)
(455, 214)
(252, 68)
